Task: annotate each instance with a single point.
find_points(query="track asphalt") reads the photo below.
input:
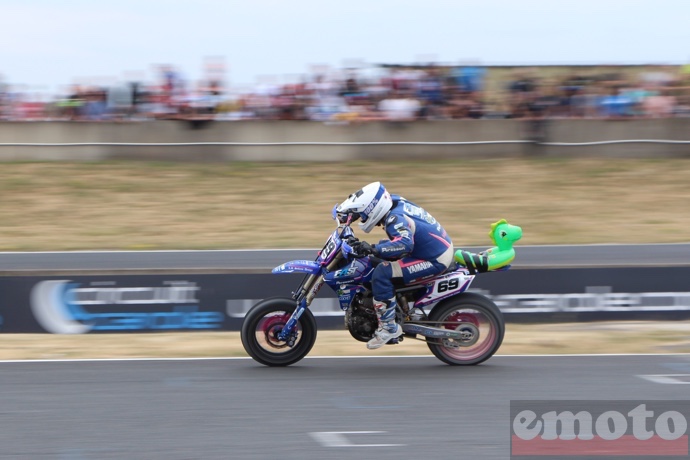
(319, 408)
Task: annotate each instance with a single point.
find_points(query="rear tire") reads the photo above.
(475, 309)
(261, 325)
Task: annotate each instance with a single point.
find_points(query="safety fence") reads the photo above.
(342, 144)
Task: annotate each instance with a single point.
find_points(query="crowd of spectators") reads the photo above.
(395, 93)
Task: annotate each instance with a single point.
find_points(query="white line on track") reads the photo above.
(336, 439)
(673, 379)
(240, 358)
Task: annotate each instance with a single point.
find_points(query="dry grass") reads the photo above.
(607, 337)
(130, 205)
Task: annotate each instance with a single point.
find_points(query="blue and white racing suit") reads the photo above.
(418, 248)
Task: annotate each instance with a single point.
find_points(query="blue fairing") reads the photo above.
(347, 281)
(298, 266)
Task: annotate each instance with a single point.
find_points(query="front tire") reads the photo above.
(262, 324)
(468, 308)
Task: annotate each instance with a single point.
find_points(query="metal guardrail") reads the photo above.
(280, 144)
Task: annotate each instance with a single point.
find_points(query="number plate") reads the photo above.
(449, 285)
(328, 249)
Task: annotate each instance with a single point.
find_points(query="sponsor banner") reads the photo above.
(129, 303)
(552, 430)
(583, 294)
(136, 303)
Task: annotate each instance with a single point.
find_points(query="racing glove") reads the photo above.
(362, 249)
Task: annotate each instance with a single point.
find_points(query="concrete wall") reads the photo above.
(284, 131)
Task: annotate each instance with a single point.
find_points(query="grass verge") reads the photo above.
(567, 338)
(135, 205)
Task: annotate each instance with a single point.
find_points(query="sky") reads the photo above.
(47, 44)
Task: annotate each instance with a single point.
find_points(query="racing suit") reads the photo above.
(418, 248)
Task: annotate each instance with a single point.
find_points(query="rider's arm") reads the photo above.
(401, 238)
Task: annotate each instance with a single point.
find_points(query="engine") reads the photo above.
(360, 318)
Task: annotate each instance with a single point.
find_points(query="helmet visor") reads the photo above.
(347, 217)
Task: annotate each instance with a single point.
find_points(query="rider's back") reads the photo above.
(408, 221)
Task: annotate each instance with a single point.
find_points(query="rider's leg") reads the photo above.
(414, 270)
(384, 304)
(409, 270)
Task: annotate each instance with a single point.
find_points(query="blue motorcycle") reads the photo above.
(459, 327)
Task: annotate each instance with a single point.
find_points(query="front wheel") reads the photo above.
(483, 340)
(260, 331)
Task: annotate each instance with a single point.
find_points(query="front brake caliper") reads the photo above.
(292, 338)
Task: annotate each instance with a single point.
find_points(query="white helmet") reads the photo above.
(370, 205)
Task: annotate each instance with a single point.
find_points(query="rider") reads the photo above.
(418, 247)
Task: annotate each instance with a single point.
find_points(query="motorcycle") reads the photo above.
(459, 327)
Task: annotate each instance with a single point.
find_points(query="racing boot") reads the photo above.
(388, 328)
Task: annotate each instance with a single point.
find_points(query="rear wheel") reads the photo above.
(480, 342)
(261, 327)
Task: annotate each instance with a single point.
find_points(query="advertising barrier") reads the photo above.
(194, 302)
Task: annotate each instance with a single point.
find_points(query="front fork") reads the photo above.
(287, 334)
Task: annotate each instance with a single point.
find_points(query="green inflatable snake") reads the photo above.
(504, 235)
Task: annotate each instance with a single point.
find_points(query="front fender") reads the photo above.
(298, 266)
